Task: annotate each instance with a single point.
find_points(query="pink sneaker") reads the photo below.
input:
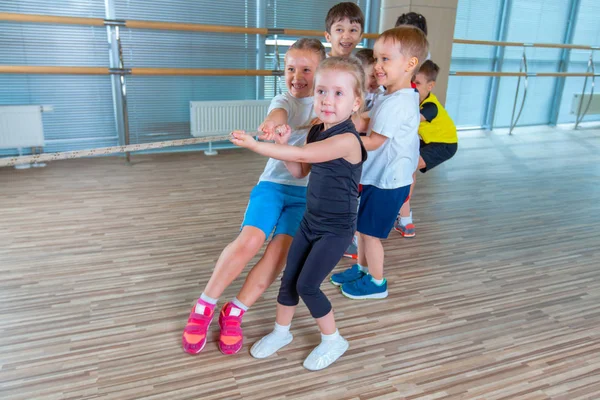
(231, 339)
(194, 333)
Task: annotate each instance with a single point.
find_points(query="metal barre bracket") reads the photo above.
(115, 22)
(275, 31)
(119, 71)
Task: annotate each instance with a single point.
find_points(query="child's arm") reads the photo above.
(361, 121)
(275, 128)
(276, 117)
(385, 120)
(281, 136)
(373, 141)
(428, 112)
(297, 169)
(339, 146)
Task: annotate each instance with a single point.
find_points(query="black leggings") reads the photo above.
(310, 259)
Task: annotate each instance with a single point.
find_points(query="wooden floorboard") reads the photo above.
(497, 297)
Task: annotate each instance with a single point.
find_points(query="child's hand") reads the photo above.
(268, 128)
(267, 137)
(360, 122)
(242, 139)
(282, 134)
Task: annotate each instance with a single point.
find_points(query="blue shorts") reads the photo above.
(378, 209)
(275, 206)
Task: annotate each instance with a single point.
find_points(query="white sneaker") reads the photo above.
(270, 344)
(325, 354)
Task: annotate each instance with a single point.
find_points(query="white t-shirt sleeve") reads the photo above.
(280, 101)
(385, 119)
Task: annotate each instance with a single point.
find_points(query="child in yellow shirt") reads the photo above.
(437, 133)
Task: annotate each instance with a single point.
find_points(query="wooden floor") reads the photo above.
(498, 296)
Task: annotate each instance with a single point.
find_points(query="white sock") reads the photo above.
(378, 282)
(236, 302)
(208, 299)
(363, 269)
(200, 307)
(335, 335)
(281, 329)
(406, 220)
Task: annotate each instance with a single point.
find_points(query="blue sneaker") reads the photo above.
(365, 288)
(351, 274)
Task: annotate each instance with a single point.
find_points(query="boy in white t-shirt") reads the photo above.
(393, 145)
(344, 27)
(372, 90)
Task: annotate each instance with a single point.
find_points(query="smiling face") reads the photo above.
(300, 67)
(392, 68)
(335, 96)
(344, 36)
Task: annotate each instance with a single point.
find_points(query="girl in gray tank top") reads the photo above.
(335, 154)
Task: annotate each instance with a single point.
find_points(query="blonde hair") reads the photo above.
(412, 41)
(313, 45)
(351, 65)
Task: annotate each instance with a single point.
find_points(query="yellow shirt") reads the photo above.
(441, 129)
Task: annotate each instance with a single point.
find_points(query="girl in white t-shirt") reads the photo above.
(276, 206)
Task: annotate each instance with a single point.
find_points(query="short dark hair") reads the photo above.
(430, 70)
(312, 45)
(414, 19)
(365, 56)
(345, 10)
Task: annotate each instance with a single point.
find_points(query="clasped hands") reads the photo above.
(280, 134)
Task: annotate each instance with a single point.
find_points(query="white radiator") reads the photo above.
(594, 105)
(212, 118)
(21, 126)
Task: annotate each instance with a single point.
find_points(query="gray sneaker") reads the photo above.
(352, 251)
